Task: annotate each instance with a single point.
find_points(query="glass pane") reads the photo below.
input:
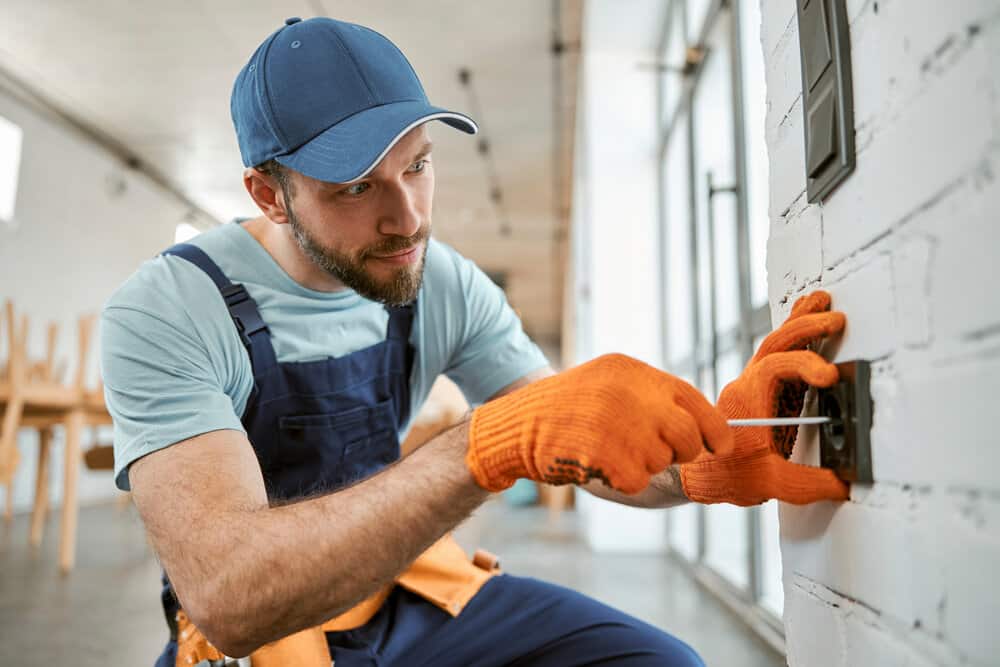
(727, 548)
(772, 593)
(727, 294)
(10, 164)
(706, 383)
(754, 110)
(704, 268)
(729, 366)
(680, 316)
(671, 81)
(714, 164)
(697, 11)
(684, 530)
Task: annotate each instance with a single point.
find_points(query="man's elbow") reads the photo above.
(228, 630)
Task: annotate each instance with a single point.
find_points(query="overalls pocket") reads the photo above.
(339, 448)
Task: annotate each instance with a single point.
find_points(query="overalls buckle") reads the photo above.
(243, 311)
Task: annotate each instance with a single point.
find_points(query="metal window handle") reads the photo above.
(711, 191)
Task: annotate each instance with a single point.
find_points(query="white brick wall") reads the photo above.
(905, 572)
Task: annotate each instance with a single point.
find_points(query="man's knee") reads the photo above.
(637, 644)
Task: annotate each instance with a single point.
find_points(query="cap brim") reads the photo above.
(352, 148)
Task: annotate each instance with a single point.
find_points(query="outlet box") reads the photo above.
(845, 442)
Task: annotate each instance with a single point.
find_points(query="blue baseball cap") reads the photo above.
(329, 99)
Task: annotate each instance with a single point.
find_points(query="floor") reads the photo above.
(107, 611)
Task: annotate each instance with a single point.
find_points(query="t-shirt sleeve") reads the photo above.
(166, 379)
(493, 349)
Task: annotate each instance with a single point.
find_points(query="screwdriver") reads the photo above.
(781, 421)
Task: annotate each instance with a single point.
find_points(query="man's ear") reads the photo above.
(266, 192)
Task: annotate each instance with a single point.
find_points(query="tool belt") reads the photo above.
(443, 575)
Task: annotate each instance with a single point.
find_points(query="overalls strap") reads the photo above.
(400, 322)
(398, 330)
(253, 332)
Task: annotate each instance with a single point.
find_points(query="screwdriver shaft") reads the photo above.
(780, 421)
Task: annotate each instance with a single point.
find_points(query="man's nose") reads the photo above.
(401, 215)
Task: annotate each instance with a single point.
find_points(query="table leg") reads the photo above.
(67, 544)
(41, 506)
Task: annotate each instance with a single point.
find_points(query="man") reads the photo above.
(260, 377)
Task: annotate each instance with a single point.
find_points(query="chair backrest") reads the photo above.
(13, 384)
(85, 329)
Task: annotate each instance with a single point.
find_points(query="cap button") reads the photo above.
(290, 21)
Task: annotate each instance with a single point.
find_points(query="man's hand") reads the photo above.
(613, 419)
(773, 385)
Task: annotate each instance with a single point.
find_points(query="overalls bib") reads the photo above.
(317, 426)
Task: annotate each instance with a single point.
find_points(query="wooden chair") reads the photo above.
(75, 408)
(44, 371)
(12, 382)
(37, 399)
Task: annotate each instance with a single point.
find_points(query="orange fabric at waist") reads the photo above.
(442, 575)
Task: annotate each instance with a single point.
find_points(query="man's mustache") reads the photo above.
(395, 244)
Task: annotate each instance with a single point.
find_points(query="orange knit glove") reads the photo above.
(613, 418)
(773, 384)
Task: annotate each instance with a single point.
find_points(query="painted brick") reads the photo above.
(794, 258)
(901, 51)
(913, 159)
(972, 606)
(786, 152)
(864, 293)
(991, 39)
(964, 298)
(870, 645)
(921, 407)
(903, 573)
(893, 458)
(783, 75)
(855, 11)
(911, 274)
(947, 435)
(778, 18)
(814, 630)
(858, 551)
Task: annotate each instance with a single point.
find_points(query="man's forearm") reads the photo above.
(301, 564)
(664, 490)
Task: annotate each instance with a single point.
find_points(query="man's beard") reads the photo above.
(400, 289)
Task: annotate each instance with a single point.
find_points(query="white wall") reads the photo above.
(614, 223)
(905, 572)
(83, 224)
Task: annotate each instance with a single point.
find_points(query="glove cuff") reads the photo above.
(494, 453)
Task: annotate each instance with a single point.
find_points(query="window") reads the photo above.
(676, 197)
(754, 110)
(10, 164)
(671, 61)
(714, 178)
(185, 232)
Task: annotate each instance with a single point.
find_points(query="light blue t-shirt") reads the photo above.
(174, 367)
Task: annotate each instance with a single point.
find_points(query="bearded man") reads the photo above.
(261, 375)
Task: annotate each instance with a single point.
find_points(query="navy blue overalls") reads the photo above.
(319, 425)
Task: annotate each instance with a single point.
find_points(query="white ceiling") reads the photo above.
(155, 77)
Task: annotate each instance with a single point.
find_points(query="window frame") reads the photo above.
(754, 322)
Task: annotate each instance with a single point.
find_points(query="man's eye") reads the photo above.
(418, 166)
(356, 189)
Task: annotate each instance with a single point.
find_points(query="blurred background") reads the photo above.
(638, 186)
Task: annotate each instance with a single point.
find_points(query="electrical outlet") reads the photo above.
(845, 442)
